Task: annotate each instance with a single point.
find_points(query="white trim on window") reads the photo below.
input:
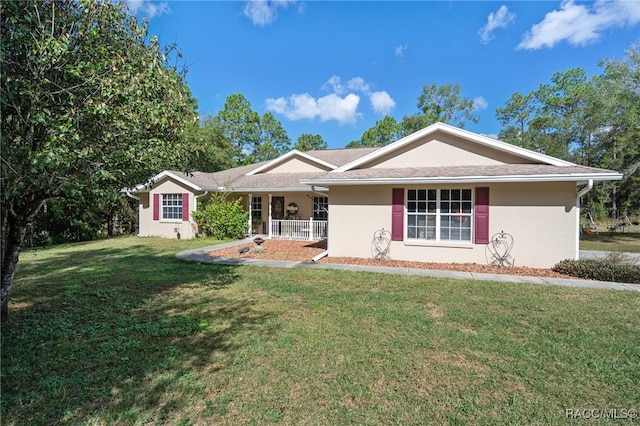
(439, 215)
(171, 207)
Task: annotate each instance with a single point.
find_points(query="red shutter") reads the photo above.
(156, 206)
(482, 216)
(397, 214)
(185, 207)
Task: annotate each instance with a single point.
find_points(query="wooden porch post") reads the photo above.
(250, 213)
(269, 223)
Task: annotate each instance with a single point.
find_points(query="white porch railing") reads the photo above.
(311, 230)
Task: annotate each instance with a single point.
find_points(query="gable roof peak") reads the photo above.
(454, 131)
(284, 157)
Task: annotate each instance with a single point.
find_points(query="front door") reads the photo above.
(277, 208)
(277, 213)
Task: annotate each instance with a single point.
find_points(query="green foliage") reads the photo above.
(274, 140)
(436, 104)
(593, 122)
(383, 133)
(87, 101)
(615, 267)
(253, 138)
(308, 142)
(210, 150)
(222, 218)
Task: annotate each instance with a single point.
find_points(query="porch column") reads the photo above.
(250, 213)
(269, 223)
(311, 228)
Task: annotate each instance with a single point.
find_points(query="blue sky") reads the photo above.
(335, 68)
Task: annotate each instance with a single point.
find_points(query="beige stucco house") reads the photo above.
(442, 194)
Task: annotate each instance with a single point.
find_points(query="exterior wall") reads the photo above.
(297, 165)
(540, 217)
(147, 227)
(447, 150)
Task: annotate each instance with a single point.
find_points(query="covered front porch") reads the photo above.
(289, 216)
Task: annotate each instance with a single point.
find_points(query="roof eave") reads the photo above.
(578, 178)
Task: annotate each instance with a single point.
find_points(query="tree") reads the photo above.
(617, 104)
(87, 101)
(383, 133)
(436, 104)
(209, 150)
(241, 126)
(274, 140)
(440, 104)
(308, 142)
(593, 122)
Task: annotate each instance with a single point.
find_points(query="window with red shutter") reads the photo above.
(482, 216)
(397, 214)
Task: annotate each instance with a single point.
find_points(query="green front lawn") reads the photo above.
(121, 332)
(611, 241)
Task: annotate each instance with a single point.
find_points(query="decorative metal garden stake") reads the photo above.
(499, 249)
(381, 244)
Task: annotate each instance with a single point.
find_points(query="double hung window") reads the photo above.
(256, 207)
(172, 206)
(439, 214)
(320, 208)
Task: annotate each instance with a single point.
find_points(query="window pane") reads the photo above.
(431, 207)
(466, 194)
(455, 234)
(455, 194)
(432, 194)
(465, 234)
(455, 207)
(422, 207)
(444, 207)
(445, 221)
(466, 207)
(411, 194)
(444, 194)
(411, 220)
(422, 194)
(411, 232)
(431, 221)
(412, 206)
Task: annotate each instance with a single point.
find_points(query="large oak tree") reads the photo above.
(88, 101)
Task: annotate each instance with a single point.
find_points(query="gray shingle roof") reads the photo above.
(236, 179)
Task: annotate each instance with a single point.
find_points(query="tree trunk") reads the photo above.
(14, 239)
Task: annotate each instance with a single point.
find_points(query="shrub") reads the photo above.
(615, 267)
(222, 218)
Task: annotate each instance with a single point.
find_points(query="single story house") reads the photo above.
(441, 194)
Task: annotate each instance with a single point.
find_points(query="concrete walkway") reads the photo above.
(199, 255)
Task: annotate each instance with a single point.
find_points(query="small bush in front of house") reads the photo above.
(616, 267)
(221, 218)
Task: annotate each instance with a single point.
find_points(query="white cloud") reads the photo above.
(343, 110)
(401, 49)
(358, 83)
(499, 19)
(264, 12)
(580, 24)
(334, 106)
(148, 8)
(304, 106)
(382, 103)
(334, 84)
(480, 103)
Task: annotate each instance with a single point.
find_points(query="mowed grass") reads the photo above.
(611, 241)
(121, 332)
